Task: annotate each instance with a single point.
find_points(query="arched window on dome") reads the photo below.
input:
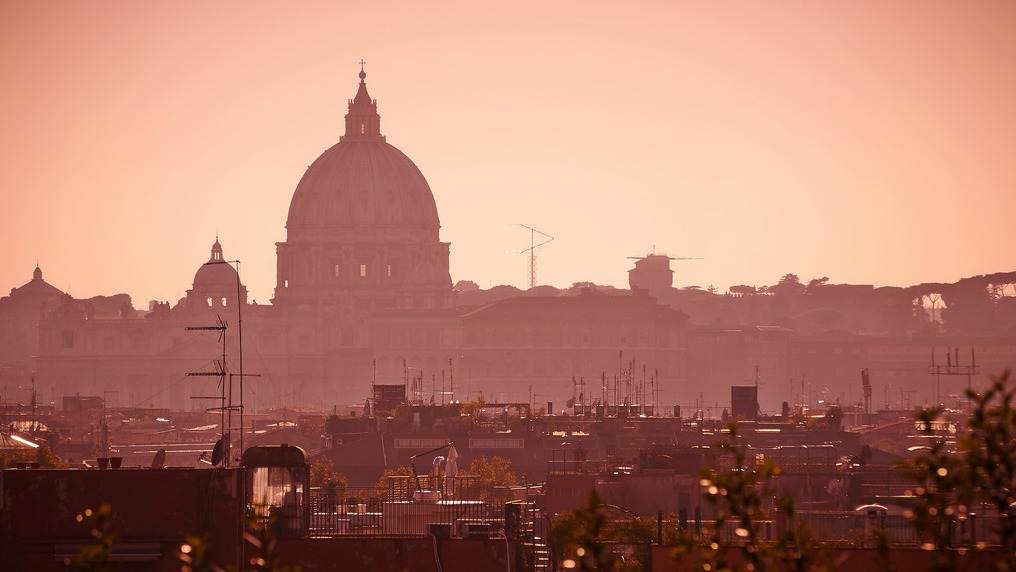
(223, 301)
(209, 301)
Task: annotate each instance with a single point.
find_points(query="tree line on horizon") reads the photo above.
(977, 305)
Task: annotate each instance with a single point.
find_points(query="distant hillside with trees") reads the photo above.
(978, 305)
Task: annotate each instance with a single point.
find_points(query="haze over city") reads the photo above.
(868, 142)
(771, 322)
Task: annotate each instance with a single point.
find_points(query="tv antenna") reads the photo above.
(533, 245)
(655, 254)
(952, 368)
(221, 453)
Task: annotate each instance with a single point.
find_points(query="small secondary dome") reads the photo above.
(216, 273)
(37, 288)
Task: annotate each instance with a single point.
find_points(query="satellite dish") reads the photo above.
(160, 459)
(217, 452)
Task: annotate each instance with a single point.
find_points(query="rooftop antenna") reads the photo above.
(866, 386)
(533, 245)
(226, 404)
(655, 254)
(952, 368)
(222, 446)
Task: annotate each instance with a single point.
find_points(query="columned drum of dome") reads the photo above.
(363, 226)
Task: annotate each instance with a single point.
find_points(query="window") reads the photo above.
(363, 271)
(389, 270)
(67, 339)
(338, 271)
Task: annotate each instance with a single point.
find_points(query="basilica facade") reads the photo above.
(363, 297)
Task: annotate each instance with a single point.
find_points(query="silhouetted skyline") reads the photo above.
(864, 142)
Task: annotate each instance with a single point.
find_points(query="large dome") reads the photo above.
(363, 229)
(363, 184)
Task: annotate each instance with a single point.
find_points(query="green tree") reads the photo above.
(576, 538)
(931, 507)
(989, 451)
(381, 487)
(981, 470)
(495, 477)
(42, 455)
(743, 498)
(834, 417)
(382, 481)
(260, 548)
(335, 424)
(742, 290)
(816, 284)
(789, 285)
(95, 557)
(637, 532)
(323, 474)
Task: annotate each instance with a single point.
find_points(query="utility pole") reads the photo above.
(866, 385)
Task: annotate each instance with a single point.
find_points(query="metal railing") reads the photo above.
(851, 528)
(859, 527)
(450, 507)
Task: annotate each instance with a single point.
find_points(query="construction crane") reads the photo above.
(532, 251)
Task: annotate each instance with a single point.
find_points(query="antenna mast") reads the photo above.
(532, 251)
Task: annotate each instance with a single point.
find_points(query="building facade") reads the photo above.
(364, 296)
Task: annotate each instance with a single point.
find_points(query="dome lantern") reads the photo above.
(363, 123)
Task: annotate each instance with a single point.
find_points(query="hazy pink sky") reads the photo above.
(867, 141)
